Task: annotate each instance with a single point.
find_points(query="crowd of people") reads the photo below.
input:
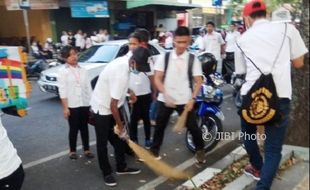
(168, 87)
(81, 40)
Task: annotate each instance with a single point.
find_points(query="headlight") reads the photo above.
(51, 78)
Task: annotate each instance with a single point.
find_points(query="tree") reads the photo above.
(298, 131)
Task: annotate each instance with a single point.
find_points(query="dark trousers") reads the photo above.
(104, 125)
(275, 134)
(163, 115)
(13, 181)
(228, 66)
(78, 122)
(141, 110)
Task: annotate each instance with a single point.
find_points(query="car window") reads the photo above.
(123, 51)
(99, 54)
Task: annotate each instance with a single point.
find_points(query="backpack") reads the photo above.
(260, 105)
(189, 71)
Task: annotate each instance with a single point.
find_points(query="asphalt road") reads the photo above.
(42, 143)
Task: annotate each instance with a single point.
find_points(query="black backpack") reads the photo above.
(260, 105)
(189, 71)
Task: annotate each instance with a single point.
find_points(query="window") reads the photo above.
(123, 50)
(99, 54)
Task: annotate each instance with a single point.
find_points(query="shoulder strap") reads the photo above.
(276, 59)
(190, 70)
(276, 56)
(167, 55)
(249, 58)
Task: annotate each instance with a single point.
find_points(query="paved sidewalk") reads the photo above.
(294, 178)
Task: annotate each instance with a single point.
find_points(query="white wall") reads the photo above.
(170, 24)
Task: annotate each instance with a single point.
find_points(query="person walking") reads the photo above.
(229, 61)
(107, 103)
(273, 48)
(11, 169)
(213, 43)
(75, 91)
(176, 93)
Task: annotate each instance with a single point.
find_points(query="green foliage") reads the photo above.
(237, 5)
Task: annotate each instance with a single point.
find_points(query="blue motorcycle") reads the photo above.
(209, 114)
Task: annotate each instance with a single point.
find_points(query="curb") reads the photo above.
(217, 167)
(243, 182)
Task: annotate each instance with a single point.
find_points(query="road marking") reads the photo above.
(65, 152)
(54, 156)
(227, 96)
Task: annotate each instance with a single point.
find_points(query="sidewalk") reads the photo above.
(294, 178)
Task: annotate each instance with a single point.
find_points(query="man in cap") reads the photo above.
(107, 100)
(273, 48)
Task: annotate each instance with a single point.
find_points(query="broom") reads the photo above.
(158, 166)
(179, 126)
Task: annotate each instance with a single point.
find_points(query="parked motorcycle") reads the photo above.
(207, 107)
(35, 67)
(209, 115)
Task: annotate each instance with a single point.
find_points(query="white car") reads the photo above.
(93, 60)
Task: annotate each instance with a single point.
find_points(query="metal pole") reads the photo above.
(25, 14)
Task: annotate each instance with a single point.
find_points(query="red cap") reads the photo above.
(253, 6)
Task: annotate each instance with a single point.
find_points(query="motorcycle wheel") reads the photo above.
(210, 126)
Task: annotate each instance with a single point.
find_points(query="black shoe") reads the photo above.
(128, 171)
(109, 180)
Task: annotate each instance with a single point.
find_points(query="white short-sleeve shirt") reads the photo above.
(176, 81)
(113, 83)
(9, 160)
(212, 44)
(74, 85)
(140, 83)
(261, 43)
(231, 39)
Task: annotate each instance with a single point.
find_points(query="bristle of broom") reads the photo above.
(180, 125)
(159, 167)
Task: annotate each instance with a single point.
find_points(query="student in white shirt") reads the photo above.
(213, 43)
(175, 92)
(107, 100)
(261, 43)
(229, 62)
(75, 91)
(11, 169)
(79, 40)
(141, 84)
(144, 35)
(169, 40)
(199, 40)
(64, 38)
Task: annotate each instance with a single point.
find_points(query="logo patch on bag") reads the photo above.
(260, 104)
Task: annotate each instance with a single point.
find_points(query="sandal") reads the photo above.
(73, 156)
(89, 155)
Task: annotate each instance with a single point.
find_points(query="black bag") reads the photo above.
(260, 105)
